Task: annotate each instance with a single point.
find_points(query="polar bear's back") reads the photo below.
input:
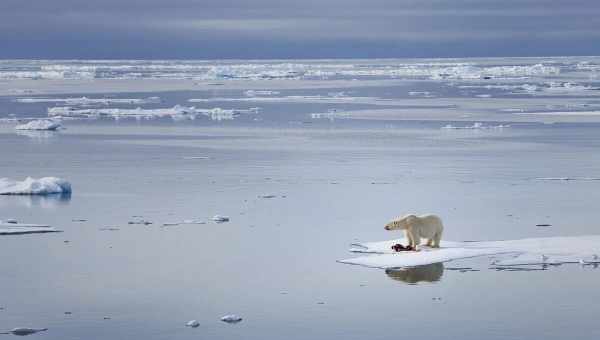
(429, 225)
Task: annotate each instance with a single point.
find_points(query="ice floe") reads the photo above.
(231, 318)
(176, 112)
(39, 125)
(220, 218)
(475, 126)
(33, 186)
(568, 179)
(22, 331)
(523, 252)
(192, 323)
(12, 227)
(84, 101)
(254, 93)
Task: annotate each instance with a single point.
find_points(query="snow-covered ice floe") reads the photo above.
(22, 331)
(39, 125)
(176, 112)
(33, 186)
(475, 126)
(220, 218)
(568, 179)
(12, 227)
(531, 251)
(231, 318)
(91, 101)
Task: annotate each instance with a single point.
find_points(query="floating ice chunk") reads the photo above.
(13, 228)
(253, 93)
(192, 323)
(32, 186)
(91, 101)
(140, 221)
(475, 126)
(196, 157)
(177, 112)
(42, 124)
(192, 222)
(231, 318)
(22, 331)
(220, 219)
(568, 179)
(533, 251)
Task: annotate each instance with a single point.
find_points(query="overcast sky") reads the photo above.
(238, 29)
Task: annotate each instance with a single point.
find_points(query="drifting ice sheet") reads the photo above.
(22, 228)
(532, 251)
(33, 186)
(39, 125)
(177, 112)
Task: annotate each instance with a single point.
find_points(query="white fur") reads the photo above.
(417, 227)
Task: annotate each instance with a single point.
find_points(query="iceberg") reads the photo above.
(33, 186)
(39, 125)
(523, 252)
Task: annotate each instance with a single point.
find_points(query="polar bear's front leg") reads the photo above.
(414, 238)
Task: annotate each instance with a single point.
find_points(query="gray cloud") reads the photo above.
(287, 29)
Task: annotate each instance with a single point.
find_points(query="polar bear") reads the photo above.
(415, 227)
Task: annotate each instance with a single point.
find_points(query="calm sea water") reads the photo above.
(274, 264)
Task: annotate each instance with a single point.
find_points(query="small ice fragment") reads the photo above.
(21, 331)
(39, 125)
(196, 157)
(231, 318)
(144, 222)
(192, 323)
(110, 228)
(35, 186)
(192, 222)
(220, 219)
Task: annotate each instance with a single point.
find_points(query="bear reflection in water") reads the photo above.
(413, 275)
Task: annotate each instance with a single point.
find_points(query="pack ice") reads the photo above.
(33, 186)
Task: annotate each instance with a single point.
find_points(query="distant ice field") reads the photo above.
(544, 90)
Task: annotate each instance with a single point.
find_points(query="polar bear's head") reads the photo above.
(401, 223)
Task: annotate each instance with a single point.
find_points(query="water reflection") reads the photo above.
(42, 201)
(414, 275)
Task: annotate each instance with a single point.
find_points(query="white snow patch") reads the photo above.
(39, 125)
(33, 186)
(532, 251)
